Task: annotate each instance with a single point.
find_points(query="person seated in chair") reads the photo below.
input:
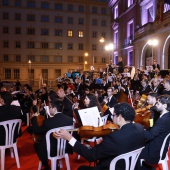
(129, 137)
(8, 112)
(156, 135)
(58, 120)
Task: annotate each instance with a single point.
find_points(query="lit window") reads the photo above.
(70, 33)
(81, 34)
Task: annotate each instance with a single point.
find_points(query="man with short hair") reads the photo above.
(129, 137)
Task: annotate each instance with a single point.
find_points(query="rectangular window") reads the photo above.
(58, 46)
(81, 34)
(6, 44)
(58, 6)
(5, 15)
(44, 5)
(103, 10)
(17, 58)
(57, 73)
(17, 16)
(16, 74)
(18, 30)
(70, 46)
(70, 33)
(30, 17)
(45, 18)
(30, 45)
(44, 31)
(81, 46)
(58, 32)
(18, 44)
(80, 59)
(94, 34)
(94, 22)
(44, 45)
(94, 47)
(70, 7)
(31, 58)
(44, 58)
(81, 8)
(103, 23)
(58, 19)
(103, 35)
(31, 4)
(70, 20)
(81, 21)
(130, 58)
(5, 30)
(94, 10)
(58, 59)
(103, 60)
(70, 59)
(45, 74)
(18, 3)
(5, 2)
(7, 73)
(6, 58)
(30, 31)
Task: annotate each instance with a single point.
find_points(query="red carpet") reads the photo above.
(29, 160)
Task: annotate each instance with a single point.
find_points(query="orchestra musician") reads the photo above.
(157, 86)
(155, 135)
(58, 120)
(166, 86)
(145, 87)
(128, 138)
(155, 65)
(120, 65)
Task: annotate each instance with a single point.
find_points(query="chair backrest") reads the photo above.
(104, 119)
(10, 126)
(163, 147)
(129, 157)
(61, 143)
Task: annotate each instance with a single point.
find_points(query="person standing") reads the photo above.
(120, 65)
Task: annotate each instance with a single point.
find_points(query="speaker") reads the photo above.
(163, 73)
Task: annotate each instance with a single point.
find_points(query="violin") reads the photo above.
(142, 101)
(91, 131)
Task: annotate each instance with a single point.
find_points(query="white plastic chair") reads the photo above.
(10, 127)
(61, 145)
(129, 157)
(164, 161)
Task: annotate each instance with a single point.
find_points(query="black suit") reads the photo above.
(128, 138)
(59, 120)
(155, 137)
(8, 112)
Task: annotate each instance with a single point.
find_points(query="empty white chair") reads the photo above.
(164, 161)
(129, 157)
(10, 127)
(61, 145)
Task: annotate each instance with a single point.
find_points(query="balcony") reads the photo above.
(128, 41)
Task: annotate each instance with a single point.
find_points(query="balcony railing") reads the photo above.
(128, 41)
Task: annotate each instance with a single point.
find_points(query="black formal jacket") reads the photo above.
(9, 112)
(155, 137)
(128, 138)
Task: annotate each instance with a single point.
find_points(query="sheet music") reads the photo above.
(90, 117)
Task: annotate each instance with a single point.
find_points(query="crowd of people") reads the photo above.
(112, 89)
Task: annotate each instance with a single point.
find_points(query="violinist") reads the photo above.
(166, 86)
(145, 87)
(156, 86)
(58, 120)
(128, 138)
(155, 135)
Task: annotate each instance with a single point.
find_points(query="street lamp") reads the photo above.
(109, 48)
(152, 42)
(85, 62)
(102, 40)
(29, 63)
